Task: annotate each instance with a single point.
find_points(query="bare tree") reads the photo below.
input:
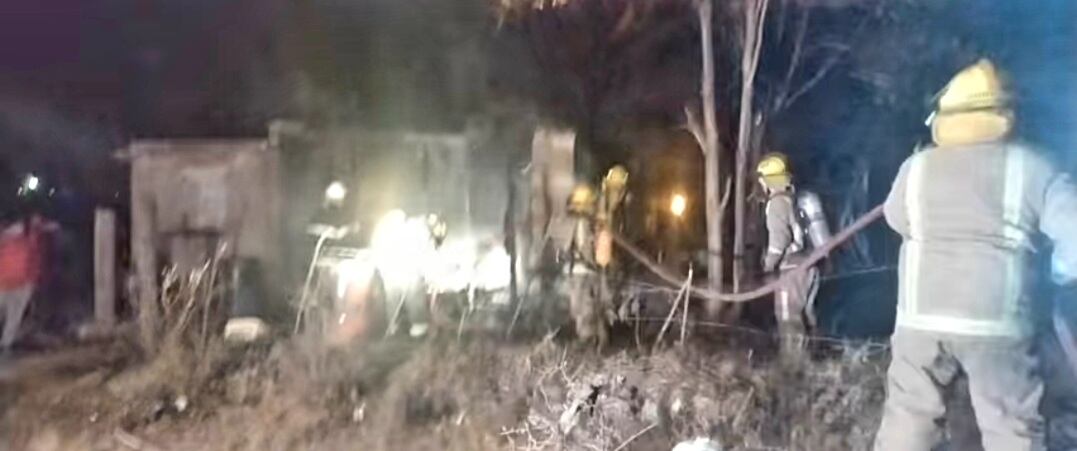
(755, 13)
(807, 64)
(702, 124)
(707, 136)
(806, 60)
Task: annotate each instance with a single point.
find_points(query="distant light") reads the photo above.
(678, 204)
(336, 192)
(32, 182)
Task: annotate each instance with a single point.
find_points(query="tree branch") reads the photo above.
(695, 128)
(725, 195)
(760, 23)
(794, 61)
(815, 79)
(840, 51)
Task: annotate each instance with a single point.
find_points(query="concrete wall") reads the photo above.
(189, 196)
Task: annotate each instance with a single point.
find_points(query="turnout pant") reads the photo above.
(1060, 395)
(407, 304)
(13, 304)
(588, 306)
(1059, 378)
(1004, 385)
(794, 310)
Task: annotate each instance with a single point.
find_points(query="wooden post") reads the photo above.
(104, 272)
(144, 253)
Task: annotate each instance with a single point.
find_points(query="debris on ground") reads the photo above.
(407, 395)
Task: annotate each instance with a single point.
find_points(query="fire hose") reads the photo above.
(768, 288)
(1065, 335)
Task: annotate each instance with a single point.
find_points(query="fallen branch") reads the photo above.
(743, 406)
(636, 436)
(706, 293)
(672, 312)
(130, 441)
(687, 301)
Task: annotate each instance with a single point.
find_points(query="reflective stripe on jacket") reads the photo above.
(784, 235)
(968, 215)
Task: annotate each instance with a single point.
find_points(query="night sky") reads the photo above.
(79, 78)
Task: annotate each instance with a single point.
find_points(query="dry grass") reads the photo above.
(482, 396)
(675, 395)
(297, 394)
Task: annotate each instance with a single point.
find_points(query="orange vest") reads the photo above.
(20, 259)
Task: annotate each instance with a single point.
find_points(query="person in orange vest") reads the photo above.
(20, 267)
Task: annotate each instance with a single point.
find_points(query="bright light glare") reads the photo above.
(336, 191)
(453, 266)
(358, 271)
(32, 182)
(492, 272)
(402, 249)
(678, 205)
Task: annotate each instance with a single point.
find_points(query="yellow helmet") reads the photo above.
(773, 164)
(974, 107)
(616, 177)
(773, 169)
(977, 87)
(582, 199)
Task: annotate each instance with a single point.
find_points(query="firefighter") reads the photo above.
(613, 196)
(403, 248)
(609, 217)
(788, 214)
(1058, 351)
(589, 255)
(969, 209)
(582, 277)
(337, 210)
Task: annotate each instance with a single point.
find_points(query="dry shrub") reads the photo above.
(388, 395)
(185, 347)
(643, 402)
(393, 395)
(193, 308)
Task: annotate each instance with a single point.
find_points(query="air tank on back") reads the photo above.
(811, 208)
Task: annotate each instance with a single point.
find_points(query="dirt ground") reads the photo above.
(295, 395)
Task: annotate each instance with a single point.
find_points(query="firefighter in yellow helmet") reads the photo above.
(791, 216)
(591, 254)
(582, 268)
(609, 220)
(970, 210)
(614, 192)
(582, 200)
(608, 217)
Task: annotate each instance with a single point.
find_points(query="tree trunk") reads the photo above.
(754, 14)
(711, 154)
(509, 226)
